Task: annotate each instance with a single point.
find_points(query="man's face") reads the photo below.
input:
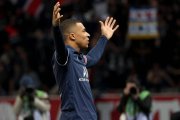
(81, 36)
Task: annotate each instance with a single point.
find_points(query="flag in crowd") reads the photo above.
(143, 23)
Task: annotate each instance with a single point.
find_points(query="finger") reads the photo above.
(106, 21)
(114, 21)
(56, 5)
(101, 23)
(57, 11)
(58, 17)
(116, 28)
(110, 21)
(61, 16)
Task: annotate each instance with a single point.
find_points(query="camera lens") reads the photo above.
(133, 91)
(29, 90)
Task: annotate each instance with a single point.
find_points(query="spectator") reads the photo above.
(157, 78)
(31, 103)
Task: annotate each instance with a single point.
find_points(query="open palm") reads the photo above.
(56, 14)
(108, 27)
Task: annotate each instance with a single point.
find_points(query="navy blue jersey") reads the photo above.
(72, 78)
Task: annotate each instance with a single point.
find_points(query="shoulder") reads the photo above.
(144, 94)
(41, 94)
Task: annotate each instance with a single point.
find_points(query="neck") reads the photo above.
(73, 45)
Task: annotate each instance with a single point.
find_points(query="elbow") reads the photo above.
(146, 109)
(96, 60)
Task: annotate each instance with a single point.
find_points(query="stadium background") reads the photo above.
(26, 47)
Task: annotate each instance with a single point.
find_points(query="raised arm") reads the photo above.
(61, 51)
(107, 30)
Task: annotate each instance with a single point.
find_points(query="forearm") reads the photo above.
(96, 52)
(121, 107)
(41, 105)
(17, 105)
(61, 51)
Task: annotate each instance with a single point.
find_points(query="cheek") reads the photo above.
(82, 39)
(79, 37)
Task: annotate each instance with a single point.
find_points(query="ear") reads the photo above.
(72, 36)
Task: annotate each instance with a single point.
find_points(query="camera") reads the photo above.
(133, 90)
(30, 93)
(29, 90)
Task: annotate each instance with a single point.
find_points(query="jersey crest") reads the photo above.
(85, 75)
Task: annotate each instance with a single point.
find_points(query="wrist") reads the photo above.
(55, 24)
(104, 36)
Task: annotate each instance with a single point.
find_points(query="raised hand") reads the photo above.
(56, 16)
(108, 27)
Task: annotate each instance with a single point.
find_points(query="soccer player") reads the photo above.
(70, 65)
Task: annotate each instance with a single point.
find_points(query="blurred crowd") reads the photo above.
(26, 45)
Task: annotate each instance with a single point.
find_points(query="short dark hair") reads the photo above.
(66, 25)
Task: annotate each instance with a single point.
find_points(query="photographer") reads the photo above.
(135, 102)
(31, 104)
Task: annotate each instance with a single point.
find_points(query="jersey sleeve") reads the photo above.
(61, 52)
(96, 52)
